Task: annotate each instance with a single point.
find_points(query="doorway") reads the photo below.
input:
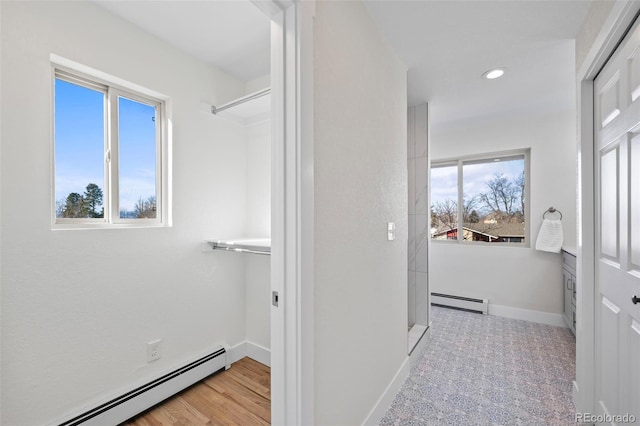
(590, 304)
(617, 178)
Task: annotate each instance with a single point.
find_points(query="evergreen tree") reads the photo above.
(74, 206)
(93, 200)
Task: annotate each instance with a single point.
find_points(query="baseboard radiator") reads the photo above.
(459, 302)
(137, 400)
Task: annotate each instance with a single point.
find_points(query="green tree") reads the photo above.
(74, 206)
(93, 200)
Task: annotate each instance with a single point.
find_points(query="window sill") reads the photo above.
(91, 226)
(482, 243)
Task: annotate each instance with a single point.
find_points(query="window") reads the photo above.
(491, 191)
(110, 154)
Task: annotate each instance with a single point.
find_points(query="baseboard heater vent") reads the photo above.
(459, 302)
(137, 400)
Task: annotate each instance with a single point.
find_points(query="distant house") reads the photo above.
(488, 232)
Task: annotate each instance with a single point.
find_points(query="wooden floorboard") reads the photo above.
(238, 396)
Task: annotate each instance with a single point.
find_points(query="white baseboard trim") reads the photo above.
(419, 348)
(259, 353)
(251, 350)
(527, 315)
(237, 352)
(384, 402)
(118, 406)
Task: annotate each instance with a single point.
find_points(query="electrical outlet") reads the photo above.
(154, 350)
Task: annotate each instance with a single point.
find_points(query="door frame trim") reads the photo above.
(612, 32)
(292, 209)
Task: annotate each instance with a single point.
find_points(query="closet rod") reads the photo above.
(242, 250)
(239, 248)
(242, 100)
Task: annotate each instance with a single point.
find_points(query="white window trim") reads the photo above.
(114, 87)
(459, 161)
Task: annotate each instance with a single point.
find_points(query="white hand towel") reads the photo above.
(550, 236)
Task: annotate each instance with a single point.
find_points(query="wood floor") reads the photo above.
(238, 396)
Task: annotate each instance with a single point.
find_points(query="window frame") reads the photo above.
(459, 162)
(114, 88)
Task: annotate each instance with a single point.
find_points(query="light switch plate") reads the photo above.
(391, 231)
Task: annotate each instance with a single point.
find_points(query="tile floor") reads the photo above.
(488, 370)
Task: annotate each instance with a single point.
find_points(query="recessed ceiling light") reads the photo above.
(494, 73)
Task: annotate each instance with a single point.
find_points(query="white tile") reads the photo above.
(416, 332)
(421, 298)
(411, 133)
(427, 318)
(421, 242)
(421, 201)
(412, 297)
(411, 243)
(412, 341)
(411, 176)
(420, 131)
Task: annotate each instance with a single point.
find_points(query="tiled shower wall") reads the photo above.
(418, 166)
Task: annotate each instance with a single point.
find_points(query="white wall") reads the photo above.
(360, 172)
(79, 306)
(0, 230)
(591, 26)
(258, 300)
(258, 139)
(258, 268)
(512, 277)
(257, 84)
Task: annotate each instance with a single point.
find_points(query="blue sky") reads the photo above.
(444, 184)
(137, 144)
(79, 144)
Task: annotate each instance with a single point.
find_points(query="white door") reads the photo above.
(617, 158)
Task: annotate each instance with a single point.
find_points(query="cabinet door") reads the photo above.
(568, 296)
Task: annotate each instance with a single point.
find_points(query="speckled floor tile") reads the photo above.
(488, 370)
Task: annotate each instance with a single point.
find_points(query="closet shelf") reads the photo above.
(246, 245)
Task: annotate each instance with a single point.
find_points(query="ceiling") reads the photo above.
(446, 45)
(233, 35)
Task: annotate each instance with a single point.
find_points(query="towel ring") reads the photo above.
(552, 210)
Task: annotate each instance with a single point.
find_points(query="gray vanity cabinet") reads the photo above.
(569, 289)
